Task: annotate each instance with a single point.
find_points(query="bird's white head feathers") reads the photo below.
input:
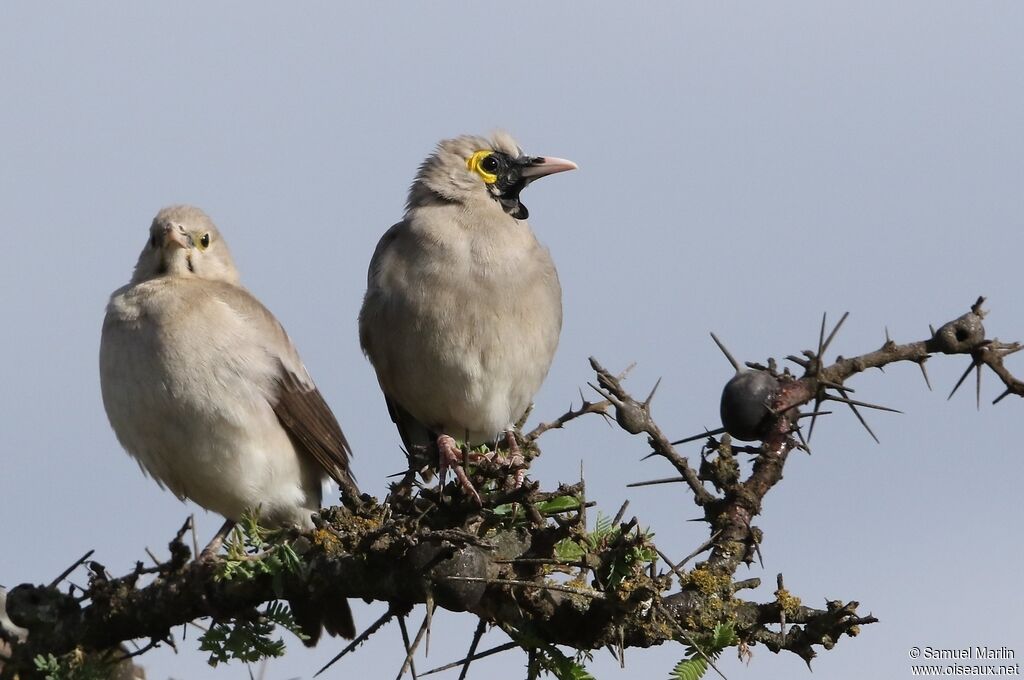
(446, 174)
(485, 174)
(184, 241)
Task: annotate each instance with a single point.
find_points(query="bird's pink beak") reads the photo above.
(176, 238)
(542, 166)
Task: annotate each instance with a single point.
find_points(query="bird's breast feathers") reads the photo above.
(462, 323)
(197, 416)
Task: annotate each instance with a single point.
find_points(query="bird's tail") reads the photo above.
(314, 616)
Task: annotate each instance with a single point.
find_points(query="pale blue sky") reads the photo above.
(743, 167)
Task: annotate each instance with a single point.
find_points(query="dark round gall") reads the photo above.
(437, 563)
(745, 404)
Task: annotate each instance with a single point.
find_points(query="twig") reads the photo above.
(473, 657)
(701, 548)
(152, 644)
(191, 524)
(600, 407)
(75, 565)
(410, 650)
(360, 639)
(652, 482)
(620, 513)
(481, 627)
(634, 417)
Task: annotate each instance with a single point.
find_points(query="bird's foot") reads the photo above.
(512, 459)
(450, 458)
(209, 553)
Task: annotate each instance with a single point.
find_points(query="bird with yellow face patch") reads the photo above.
(463, 307)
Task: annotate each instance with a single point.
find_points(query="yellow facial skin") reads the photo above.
(203, 242)
(474, 164)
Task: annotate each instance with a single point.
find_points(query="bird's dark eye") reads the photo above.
(154, 241)
(204, 241)
(489, 164)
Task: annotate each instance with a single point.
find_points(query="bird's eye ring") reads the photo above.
(484, 164)
(204, 241)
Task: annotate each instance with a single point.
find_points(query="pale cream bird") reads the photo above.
(463, 307)
(203, 387)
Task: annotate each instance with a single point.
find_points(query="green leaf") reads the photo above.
(690, 669)
(72, 667)
(568, 550)
(713, 644)
(602, 527)
(549, 507)
(252, 553)
(47, 664)
(503, 509)
(723, 636)
(557, 505)
(249, 640)
(553, 661)
(549, 658)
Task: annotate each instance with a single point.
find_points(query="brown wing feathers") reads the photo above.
(307, 417)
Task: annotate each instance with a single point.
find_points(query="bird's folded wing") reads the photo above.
(297, 402)
(302, 410)
(416, 437)
(412, 432)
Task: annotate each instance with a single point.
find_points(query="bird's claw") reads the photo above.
(209, 553)
(512, 459)
(450, 457)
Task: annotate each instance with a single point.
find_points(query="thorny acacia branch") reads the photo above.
(497, 562)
